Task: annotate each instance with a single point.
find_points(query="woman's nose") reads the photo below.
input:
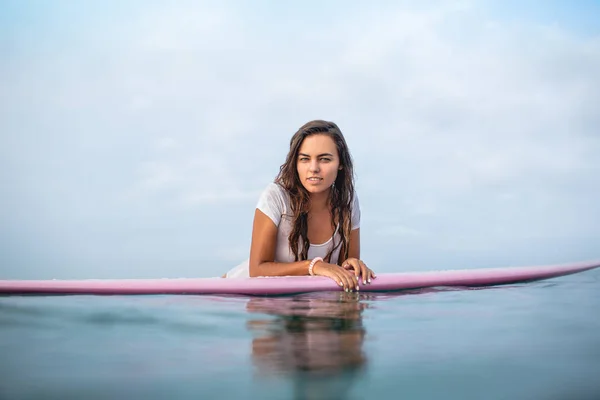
(314, 165)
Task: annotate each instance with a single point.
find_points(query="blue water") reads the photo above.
(528, 341)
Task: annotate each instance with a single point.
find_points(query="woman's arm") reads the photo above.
(354, 245)
(354, 262)
(262, 251)
(262, 256)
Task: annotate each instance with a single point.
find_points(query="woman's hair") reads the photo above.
(341, 197)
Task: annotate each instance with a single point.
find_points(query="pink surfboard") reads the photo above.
(294, 284)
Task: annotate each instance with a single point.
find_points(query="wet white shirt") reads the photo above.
(274, 202)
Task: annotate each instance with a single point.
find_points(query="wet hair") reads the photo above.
(341, 194)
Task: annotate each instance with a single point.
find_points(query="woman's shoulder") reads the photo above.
(275, 188)
(274, 191)
(274, 201)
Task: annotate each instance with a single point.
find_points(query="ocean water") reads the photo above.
(537, 340)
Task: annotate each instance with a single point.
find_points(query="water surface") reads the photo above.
(528, 341)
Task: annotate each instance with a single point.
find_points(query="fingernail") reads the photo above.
(357, 288)
(369, 280)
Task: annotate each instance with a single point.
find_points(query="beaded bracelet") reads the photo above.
(312, 264)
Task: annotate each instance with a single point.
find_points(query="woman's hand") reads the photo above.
(341, 276)
(360, 269)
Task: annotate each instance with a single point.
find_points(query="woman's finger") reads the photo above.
(337, 280)
(359, 268)
(346, 279)
(353, 267)
(354, 278)
(347, 265)
(364, 273)
(340, 279)
(369, 274)
(355, 282)
(350, 279)
(354, 264)
(360, 271)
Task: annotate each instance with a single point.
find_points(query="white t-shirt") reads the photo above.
(274, 202)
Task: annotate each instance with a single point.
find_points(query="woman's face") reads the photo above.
(318, 163)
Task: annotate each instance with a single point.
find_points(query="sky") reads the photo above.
(136, 137)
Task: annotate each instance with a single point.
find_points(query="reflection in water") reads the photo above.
(315, 339)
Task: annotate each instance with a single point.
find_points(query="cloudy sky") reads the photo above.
(136, 136)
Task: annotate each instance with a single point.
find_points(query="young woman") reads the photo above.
(307, 222)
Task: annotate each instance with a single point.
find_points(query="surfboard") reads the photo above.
(265, 286)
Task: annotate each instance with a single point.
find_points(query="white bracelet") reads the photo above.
(312, 264)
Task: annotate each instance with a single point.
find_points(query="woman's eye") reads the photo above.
(326, 159)
(303, 158)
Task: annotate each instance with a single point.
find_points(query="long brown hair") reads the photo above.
(341, 194)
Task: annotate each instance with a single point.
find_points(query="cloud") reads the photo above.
(470, 131)
(400, 230)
